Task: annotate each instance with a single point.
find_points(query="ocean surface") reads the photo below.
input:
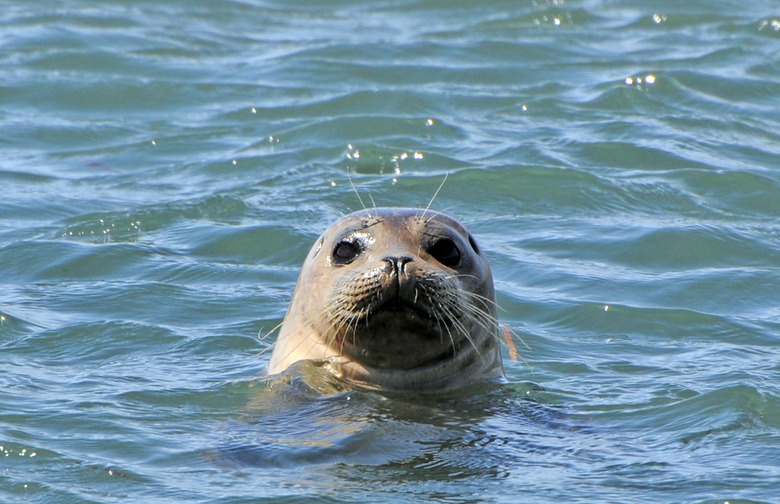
(165, 166)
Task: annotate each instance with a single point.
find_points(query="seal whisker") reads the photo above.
(487, 302)
(354, 188)
(441, 322)
(459, 324)
(335, 321)
(486, 320)
(263, 337)
(446, 175)
(435, 214)
(303, 345)
(349, 321)
(504, 335)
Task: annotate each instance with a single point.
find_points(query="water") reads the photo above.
(167, 164)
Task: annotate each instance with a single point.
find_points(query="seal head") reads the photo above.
(394, 298)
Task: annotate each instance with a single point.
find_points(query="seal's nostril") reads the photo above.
(389, 264)
(403, 261)
(396, 264)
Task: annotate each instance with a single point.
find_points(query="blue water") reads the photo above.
(166, 165)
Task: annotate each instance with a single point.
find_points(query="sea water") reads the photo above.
(166, 165)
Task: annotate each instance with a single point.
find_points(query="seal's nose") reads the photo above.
(395, 264)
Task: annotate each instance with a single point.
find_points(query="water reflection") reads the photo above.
(306, 419)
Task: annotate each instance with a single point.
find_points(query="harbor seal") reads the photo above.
(394, 299)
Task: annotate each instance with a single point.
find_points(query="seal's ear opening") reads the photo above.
(446, 252)
(473, 244)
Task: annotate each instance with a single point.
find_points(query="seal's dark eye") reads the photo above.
(345, 252)
(446, 252)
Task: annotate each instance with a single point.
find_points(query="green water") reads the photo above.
(166, 165)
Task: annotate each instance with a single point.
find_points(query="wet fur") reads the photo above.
(441, 335)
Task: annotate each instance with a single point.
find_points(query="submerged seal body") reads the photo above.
(394, 298)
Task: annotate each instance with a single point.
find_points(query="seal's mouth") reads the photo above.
(425, 307)
(408, 316)
(408, 307)
(400, 306)
(403, 331)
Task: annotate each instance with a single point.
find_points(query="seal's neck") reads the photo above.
(469, 364)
